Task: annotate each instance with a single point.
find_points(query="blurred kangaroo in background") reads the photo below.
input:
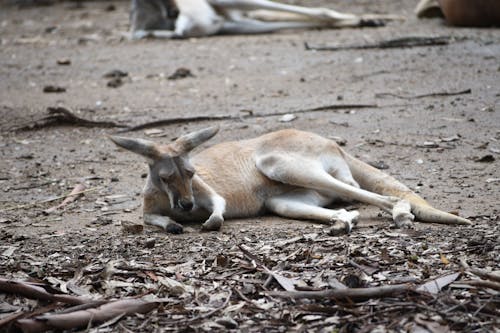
(290, 173)
(200, 18)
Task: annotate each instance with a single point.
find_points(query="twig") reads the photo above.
(481, 284)
(29, 187)
(170, 121)
(240, 295)
(84, 306)
(283, 281)
(485, 275)
(88, 317)
(412, 41)
(37, 291)
(62, 116)
(347, 293)
(50, 200)
(11, 318)
(437, 94)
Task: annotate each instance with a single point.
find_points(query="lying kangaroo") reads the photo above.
(201, 18)
(290, 173)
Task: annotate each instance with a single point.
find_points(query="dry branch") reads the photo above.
(170, 121)
(31, 204)
(485, 275)
(412, 41)
(436, 94)
(84, 318)
(36, 291)
(482, 284)
(347, 293)
(283, 281)
(62, 116)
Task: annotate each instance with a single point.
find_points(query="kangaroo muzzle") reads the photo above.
(185, 204)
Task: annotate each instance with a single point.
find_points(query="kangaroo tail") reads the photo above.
(374, 180)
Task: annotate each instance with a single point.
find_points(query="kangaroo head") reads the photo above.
(170, 170)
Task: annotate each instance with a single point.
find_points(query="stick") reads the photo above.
(415, 41)
(482, 284)
(29, 187)
(170, 121)
(347, 293)
(62, 116)
(50, 200)
(485, 275)
(11, 318)
(84, 318)
(437, 94)
(37, 291)
(77, 190)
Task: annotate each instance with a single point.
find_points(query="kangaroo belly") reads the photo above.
(230, 171)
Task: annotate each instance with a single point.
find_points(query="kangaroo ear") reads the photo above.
(142, 147)
(190, 141)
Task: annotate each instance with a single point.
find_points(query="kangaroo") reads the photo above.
(290, 173)
(201, 18)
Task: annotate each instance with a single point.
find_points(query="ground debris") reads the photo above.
(402, 42)
(63, 116)
(221, 283)
(432, 94)
(53, 89)
(180, 73)
(288, 114)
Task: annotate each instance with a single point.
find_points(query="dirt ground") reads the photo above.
(446, 148)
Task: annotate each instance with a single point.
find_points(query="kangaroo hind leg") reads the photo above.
(307, 172)
(306, 205)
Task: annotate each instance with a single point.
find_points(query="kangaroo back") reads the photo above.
(374, 180)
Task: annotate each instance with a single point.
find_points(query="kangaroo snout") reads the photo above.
(185, 204)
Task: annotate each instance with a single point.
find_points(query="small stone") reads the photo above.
(53, 89)
(64, 62)
(150, 243)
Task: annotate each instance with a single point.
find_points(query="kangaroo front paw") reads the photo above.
(343, 222)
(214, 223)
(174, 228)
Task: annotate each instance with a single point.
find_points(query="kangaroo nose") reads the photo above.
(185, 205)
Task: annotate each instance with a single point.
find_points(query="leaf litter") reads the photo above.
(376, 278)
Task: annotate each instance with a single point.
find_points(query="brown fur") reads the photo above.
(289, 173)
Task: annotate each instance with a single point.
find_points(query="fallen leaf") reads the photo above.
(435, 285)
(284, 282)
(9, 251)
(485, 159)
